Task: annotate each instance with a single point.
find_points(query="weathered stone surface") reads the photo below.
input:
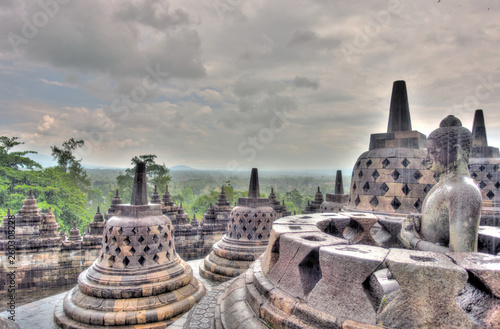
(340, 291)
(297, 269)
(429, 283)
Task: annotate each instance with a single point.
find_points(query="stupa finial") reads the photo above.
(253, 188)
(399, 113)
(140, 189)
(479, 130)
(339, 185)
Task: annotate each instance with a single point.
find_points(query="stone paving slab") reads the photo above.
(38, 315)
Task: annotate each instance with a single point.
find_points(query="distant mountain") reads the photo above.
(181, 167)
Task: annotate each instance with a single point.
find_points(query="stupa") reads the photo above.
(391, 177)
(279, 208)
(484, 167)
(217, 215)
(116, 201)
(138, 280)
(335, 202)
(246, 237)
(314, 207)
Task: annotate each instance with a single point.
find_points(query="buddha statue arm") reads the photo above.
(465, 214)
(411, 239)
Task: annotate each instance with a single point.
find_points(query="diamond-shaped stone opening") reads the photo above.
(417, 175)
(170, 243)
(160, 228)
(418, 205)
(366, 187)
(111, 260)
(436, 177)
(310, 271)
(384, 188)
(473, 175)
(244, 229)
(142, 260)
(126, 241)
(405, 162)
(406, 189)
(360, 174)
(374, 202)
(113, 240)
(249, 236)
(375, 174)
(165, 236)
(489, 176)
(161, 247)
(240, 220)
(106, 238)
(259, 221)
(249, 221)
(264, 215)
(424, 163)
(232, 220)
(141, 239)
(357, 201)
(254, 229)
(260, 236)
(395, 175)
(155, 238)
(358, 164)
(490, 195)
(495, 167)
(118, 250)
(427, 188)
(107, 249)
(148, 230)
(481, 168)
(120, 231)
(497, 185)
(385, 163)
(134, 230)
(126, 261)
(167, 255)
(395, 203)
(264, 228)
(111, 230)
(481, 185)
(238, 236)
(369, 163)
(146, 249)
(354, 187)
(230, 234)
(132, 250)
(156, 258)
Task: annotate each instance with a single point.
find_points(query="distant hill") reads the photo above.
(181, 167)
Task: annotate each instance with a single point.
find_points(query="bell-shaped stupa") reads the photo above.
(246, 238)
(484, 166)
(138, 280)
(392, 177)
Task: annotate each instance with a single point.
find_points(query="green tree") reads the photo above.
(67, 163)
(157, 175)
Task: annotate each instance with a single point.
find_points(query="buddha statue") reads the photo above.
(452, 208)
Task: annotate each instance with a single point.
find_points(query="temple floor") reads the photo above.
(38, 314)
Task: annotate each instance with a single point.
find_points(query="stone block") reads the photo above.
(429, 283)
(341, 291)
(297, 268)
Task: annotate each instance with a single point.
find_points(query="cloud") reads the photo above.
(302, 82)
(46, 124)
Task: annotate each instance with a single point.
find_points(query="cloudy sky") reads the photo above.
(239, 83)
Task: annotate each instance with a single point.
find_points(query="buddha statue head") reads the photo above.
(449, 146)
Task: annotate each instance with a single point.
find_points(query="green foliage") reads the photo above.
(157, 175)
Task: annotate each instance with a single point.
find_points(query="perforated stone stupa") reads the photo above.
(217, 215)
(246, 238)
(391, 177)
(138, 280)
(279, 208)
(484, 165)
(335, 202)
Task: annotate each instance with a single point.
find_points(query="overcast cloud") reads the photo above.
(238, 84)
